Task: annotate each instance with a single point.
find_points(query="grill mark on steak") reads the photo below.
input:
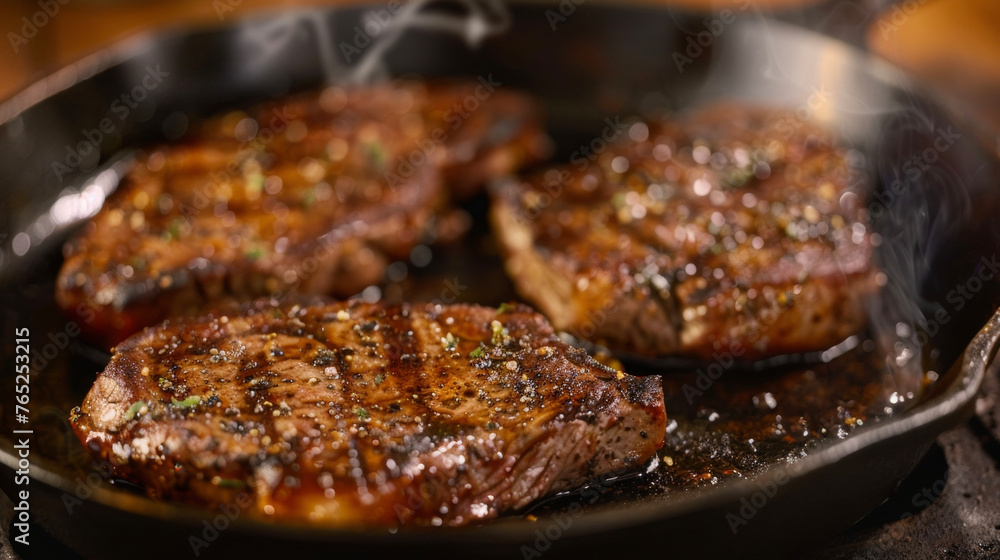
(358, 414)
(321, 208)
(719, 232)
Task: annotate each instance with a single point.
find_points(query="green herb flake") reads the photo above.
(173, 231)
(379, 378)
(477, 353)
(254, 254)
(449, 342)
(737, 178)
(134, 409)
(618, 200)
(137, 263)
(254, 184)
(361, 413)
(189, 402)
(375, 153)
(309, 198)
(500, 334)
(504, 307)
(491, 425)
(230, 483)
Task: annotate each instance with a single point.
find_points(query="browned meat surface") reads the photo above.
(732, 231)
(314, 194)
(356, 413)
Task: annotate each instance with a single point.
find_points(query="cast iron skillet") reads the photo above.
(758, 462)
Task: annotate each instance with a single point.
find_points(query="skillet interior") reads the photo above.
(602, 62)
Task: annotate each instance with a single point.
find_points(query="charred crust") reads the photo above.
(319, 411)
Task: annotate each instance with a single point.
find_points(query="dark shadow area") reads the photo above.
(916, 493)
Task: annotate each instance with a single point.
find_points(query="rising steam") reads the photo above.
(471, 20)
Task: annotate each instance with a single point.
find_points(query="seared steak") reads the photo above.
(357, 413)
(315, 194)
(732, 231)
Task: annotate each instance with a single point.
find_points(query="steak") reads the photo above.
(734, 230)
(360, 413)
(315, 194)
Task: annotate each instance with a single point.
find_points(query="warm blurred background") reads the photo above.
(953, 43)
